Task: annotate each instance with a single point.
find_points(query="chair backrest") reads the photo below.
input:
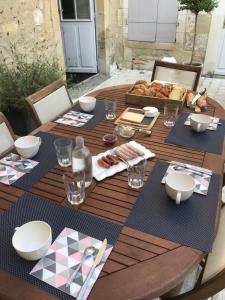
(7, 136)
(185, 75)
(49, 102)
(213, 280)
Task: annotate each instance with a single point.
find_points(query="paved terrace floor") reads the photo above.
(215, 86)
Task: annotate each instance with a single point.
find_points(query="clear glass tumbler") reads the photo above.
(110, 109)
(136, 175)
(170, 114)
(74, 184)
(63, 149)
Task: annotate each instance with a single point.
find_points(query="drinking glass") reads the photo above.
(136, 175)
(170, 114)
(110, 109)
(74, 184)
(63, 149)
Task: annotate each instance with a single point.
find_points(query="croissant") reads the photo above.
(159, 95)
(201, 102)
(141, 82)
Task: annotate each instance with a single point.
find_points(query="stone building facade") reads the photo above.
(34, 26)
(120, 50)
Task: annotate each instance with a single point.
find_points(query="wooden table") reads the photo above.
(141, 266)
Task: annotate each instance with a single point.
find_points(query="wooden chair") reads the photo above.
(49, 102)
(7, 136)
(213, 275)
(185, 75)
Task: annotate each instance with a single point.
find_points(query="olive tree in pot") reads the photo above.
(20, 78)
(197, 6)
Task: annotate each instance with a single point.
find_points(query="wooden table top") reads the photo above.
(141, 266)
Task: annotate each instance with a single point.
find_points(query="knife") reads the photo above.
(198, 96)
(15, 168)
(95, 264)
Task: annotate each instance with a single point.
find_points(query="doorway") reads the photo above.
(220, 66)
(77, 18)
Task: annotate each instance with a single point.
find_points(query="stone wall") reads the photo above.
(33, 26)
(114, 31)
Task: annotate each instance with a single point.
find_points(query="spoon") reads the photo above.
(16, 158)
(180, 168)
(89, 251)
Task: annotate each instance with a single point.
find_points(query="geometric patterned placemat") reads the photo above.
(8, 174)
(30, 207)
(212, 126)
(201, 176)
(74, 118)
(192, 223)
(46, 157)
(63, 256)
(98, 112)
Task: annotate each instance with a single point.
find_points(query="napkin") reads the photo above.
(74, 118)
(201, 176)
(62, 258)
(212, 126)
(9, 175)
(100, 173)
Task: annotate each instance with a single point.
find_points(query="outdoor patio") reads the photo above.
(112, 188)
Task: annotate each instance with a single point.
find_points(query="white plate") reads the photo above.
(100, 173)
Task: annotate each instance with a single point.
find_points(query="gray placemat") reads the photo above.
(47, 159)
(191, 223)
(98, 112)
(30, 207)
(208, 141)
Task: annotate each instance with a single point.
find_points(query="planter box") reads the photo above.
(152, 101)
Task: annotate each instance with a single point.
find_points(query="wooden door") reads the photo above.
(78, 31)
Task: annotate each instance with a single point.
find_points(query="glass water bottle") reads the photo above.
(82, 160)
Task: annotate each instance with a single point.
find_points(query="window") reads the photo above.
(75, 9)
(152, 20)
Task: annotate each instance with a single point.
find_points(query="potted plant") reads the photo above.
(20, 78)
(197, 6)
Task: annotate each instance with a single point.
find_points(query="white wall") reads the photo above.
(217, 23)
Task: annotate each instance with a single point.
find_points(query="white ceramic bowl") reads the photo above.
(179, 186)
(28, 146)
(87, 103)
(200, 122)
(150, 111)
(32, 240)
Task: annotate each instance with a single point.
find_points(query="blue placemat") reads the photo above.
(191, 223)
(47, 159)
(30, 207)
(98, 112)
(208, 141)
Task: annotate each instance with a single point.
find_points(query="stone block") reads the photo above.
(201, 41)
(190, 23)
(10, 27)
(204, 22)
(181, 20)
(188, 41)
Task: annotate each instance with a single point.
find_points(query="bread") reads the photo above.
(177, 93)
(159, 90)
(190, 97)
(141, 82)
(197, 109)
(201, 102)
